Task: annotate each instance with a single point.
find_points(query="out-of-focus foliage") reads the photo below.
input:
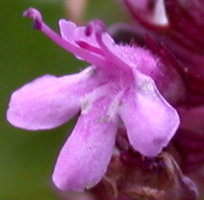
(27, 158)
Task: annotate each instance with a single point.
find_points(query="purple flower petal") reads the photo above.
(71, 33)
(98, 91)
(84, 158)
(48, 101)
(150, 121)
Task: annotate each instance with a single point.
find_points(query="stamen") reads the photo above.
(37, 17)
(94, 59)
(88, 30)
(98, 28)
(89, 47)
(95, 26)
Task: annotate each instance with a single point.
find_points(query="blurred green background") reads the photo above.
(27, 158)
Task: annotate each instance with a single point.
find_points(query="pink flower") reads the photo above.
(117, 88)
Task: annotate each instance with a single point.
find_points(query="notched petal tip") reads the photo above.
(35, 15)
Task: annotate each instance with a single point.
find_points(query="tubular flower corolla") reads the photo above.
(117, 89)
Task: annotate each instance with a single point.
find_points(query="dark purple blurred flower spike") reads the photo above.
(184, 24)
(141, 15)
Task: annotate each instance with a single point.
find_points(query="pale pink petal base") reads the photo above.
(84, 158)
(150, 121)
